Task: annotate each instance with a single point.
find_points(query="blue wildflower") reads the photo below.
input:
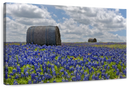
(11, 74)
(6, 69)
(10, 77)
(36, 78)
(103, 71)
(93, 77)
(26, 74)
(71, 69)
(16, 77)
(86, 77)
(102, 74)
(102, 63)
(126, 71)
(39, 80)
(18, 69)
(48, 82)
(86, 65)
(105, 66)
(66, 80)
(117, 73)
(82, 71)
(33, 76)
(116, 67)
(38, 70)
(78, 77)
(90, 71)
(54, 81)
(41, 75)
(65, 73)
(62, 75)
(80, 68)
(73, 78)
(14, 71)
(85, 73)
(22, 75)
(29, 82)
(15, 82)
(89, 66)
(72, 74)
(25, 70)
(108, 67)
(68, 76)
(43, 78)
(114, 71)
(49, 76)
(6, 75)
(53, 73)
(31, 70)
(49, 65)
(34, 82)
(96, 78)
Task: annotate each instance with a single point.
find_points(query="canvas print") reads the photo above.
(55, 43)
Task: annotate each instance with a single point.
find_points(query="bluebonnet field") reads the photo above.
(32, 64)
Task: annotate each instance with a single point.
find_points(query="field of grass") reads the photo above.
(111, 45)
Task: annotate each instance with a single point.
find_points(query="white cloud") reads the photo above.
(58, 20)
(22, 17)
(102, 20)
(54, 15)
(126, 23)
(26, 11)
(73, 29)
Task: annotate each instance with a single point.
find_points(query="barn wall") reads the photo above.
(92, 40)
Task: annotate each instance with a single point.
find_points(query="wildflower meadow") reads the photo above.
(33, 64)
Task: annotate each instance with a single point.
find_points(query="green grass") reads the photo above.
(120, 46)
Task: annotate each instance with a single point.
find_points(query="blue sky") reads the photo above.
(59, 13)
(75, 23)
(123, 13)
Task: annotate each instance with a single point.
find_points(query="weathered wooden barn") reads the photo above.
(92, 40)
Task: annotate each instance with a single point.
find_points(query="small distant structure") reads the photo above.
(92, 40)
